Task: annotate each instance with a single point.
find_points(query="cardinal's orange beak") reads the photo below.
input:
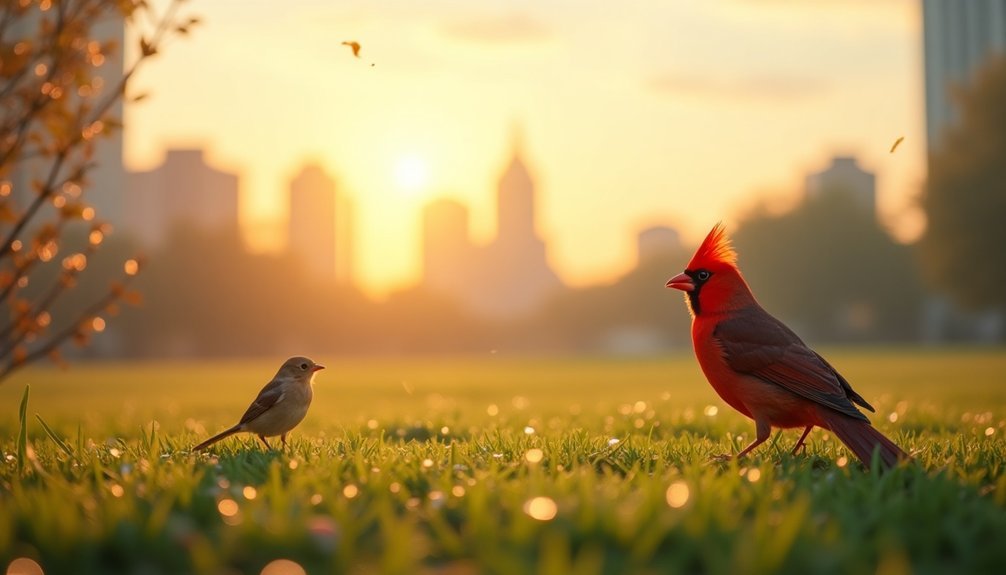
(681, 282)
(317, 367)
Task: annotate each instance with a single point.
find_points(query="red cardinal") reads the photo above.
(760, 367)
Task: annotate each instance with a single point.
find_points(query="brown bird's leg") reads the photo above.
(262, 437)
(800, 444)
(762, 432)
(283, 439)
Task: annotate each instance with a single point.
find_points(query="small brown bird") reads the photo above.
(280, 406)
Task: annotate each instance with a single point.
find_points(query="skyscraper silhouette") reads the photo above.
(959, 38)
(844, 176)
(311, 228)
(183, 189)
(508, 277)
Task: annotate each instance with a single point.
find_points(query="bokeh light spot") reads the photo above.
(541, 508)
(677, 494)
(283, 567)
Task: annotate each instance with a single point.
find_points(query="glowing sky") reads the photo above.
(633, 113)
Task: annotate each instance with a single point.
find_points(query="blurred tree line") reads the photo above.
(205, 295)
(962, 251)
(830, 270)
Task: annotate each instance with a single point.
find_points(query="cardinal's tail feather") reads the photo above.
(222, 435)
(863, 439)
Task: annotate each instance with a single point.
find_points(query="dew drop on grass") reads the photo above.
(613, 441)
(350, 491)
(754, 474)
(458, 491)
(493, 410)
(677, 494)
(249, 492)
(711, 410)
(893, 417)
(541, 508)
(842, 461)
(989, 431)
(528, 430)
(283, 567)
(427, 463)
(395, 487)
(371, 424)
(117, 490)
(316, 499)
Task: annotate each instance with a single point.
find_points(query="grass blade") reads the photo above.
(55, 438)
(22, 434)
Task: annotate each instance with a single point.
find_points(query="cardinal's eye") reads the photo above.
(702, 275)
(303, 366)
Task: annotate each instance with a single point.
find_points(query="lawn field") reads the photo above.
(459, 466)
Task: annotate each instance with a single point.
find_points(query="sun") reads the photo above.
(411, 173)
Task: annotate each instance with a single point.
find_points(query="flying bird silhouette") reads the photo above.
(354, 46)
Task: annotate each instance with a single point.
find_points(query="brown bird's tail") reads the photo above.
(862, 439)
(222, 435)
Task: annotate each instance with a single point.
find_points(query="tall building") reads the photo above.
(959, 37)
(447, 248)
(312, 225)
(656, 242)
(183, 189)
(844, 176)
(514, 272)
(510, 276)
(106, 180)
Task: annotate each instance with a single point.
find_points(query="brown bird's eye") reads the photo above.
(303, 366)
(702, 275)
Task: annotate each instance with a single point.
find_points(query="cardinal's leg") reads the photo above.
(762, 432)
(799, 443)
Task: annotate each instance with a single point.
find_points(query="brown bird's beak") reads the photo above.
(681, 282)
(317, 367)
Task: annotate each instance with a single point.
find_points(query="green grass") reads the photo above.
(429, 466)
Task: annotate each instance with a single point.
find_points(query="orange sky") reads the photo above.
(633, 113)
